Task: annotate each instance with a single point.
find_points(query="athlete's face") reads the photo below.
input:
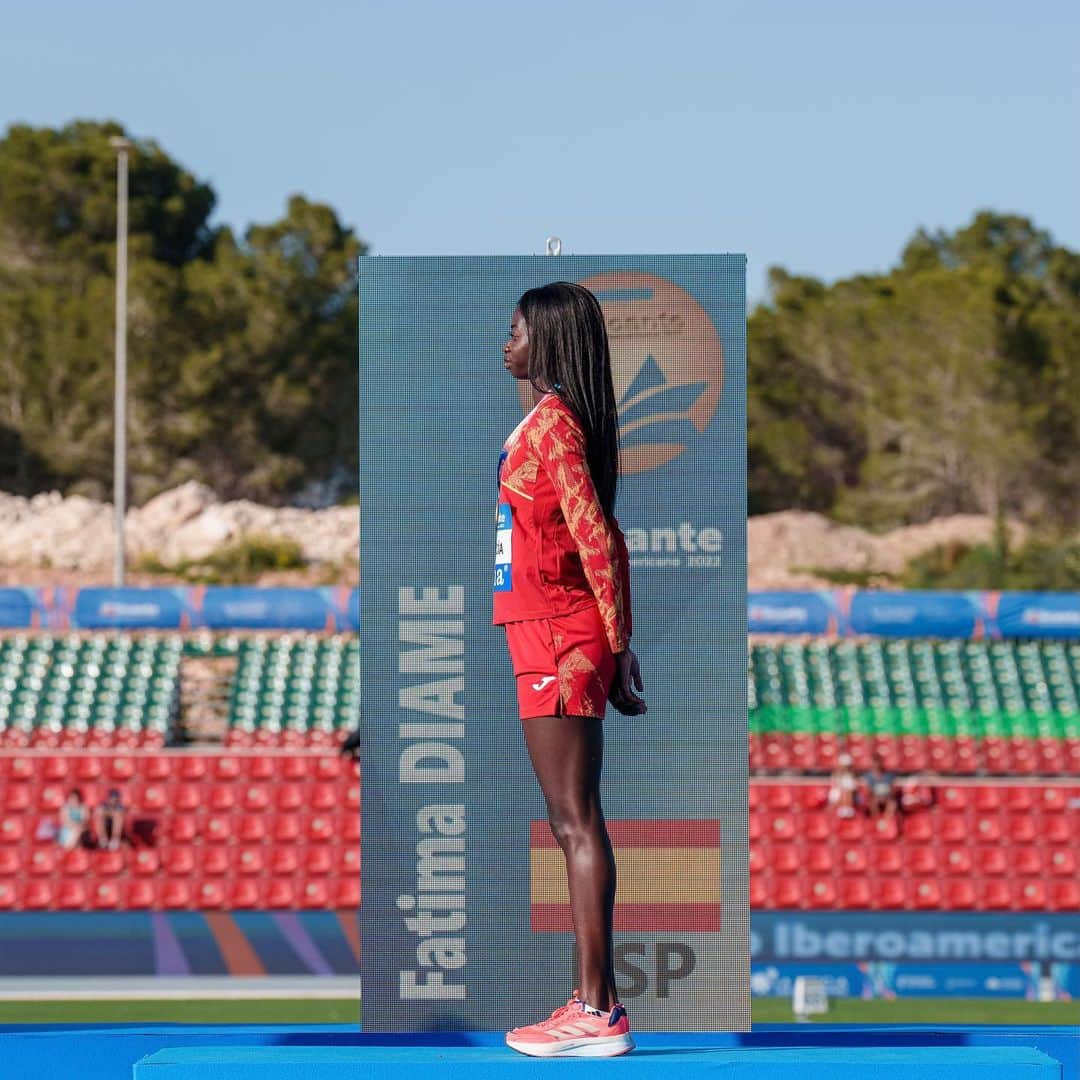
(516, 349)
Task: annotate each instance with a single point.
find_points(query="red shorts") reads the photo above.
(563, 665)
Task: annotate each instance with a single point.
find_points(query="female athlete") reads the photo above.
(562, 592)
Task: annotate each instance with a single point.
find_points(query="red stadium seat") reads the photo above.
(1061, 862)
(251, 829)
(987, 830)
(295, 767)
(256, 797)
(214, 861)
(10, 863)
(996, 895)
(75, 863)
(287, 828)
(754, 798)
(922, 859)
(758, 861)
(953, 828)
(888, 859)
(11, 830)
(210, 894)
(1019, 798)
(855, 893)
(226, 767)
(1053, 799)
(1026, 861)
(821, 893)
(320, 829)
(960, 895)
(108, 863)
(18, 768)
(280, 894)
(319, 862)
(956, 861)
(1021, 828)
(850, 830)
(350, 828)
(925, 893)
(283, 861)
(176, 895)
(183, 828)
(193, 767)
(818, 859)
(1064, 896)
(890, 894)
(992, 861)
(1030, 895)
(71, 895)
(244, 894)
(121, 769)
(786, 893)
(222, 798)
(216, 829)
(1056, 829)
(42, 862)
(919, 828)
(55, 769)
(347, 894)
(324, 796)
(954, 799)
(314, 894)
(180, 861)
(105, 895)
(17, 799)
(140, 895)
(7, 895)
(290, 797)
(149, 798)
(352, 797)
(36, 895)
(987, 798)
(786, 859)
(779, 797)
(146, 863)
(349, 861)
(818, 825)
(260, 767)
(250, 861)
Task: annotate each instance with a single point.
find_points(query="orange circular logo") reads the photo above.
(667, 365)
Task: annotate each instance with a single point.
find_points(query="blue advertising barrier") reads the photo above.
(824, 611)
(792, 613)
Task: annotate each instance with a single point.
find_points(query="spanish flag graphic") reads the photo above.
(669, 876)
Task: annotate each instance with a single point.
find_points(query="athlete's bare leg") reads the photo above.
(567, 754)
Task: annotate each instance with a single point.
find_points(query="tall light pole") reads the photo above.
(122, 147)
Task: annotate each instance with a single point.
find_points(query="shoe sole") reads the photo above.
(610, 1046)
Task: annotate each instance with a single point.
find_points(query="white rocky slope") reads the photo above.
(52, 539)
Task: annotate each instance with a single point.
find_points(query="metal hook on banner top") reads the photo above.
(554, 245)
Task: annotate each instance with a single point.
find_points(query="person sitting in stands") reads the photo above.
(110, 821)
(842, 787)
(73, 818)
(880, 791)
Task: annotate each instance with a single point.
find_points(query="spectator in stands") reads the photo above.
(843, 786)
(915, 792)
(73, 819)
(110, 821)
(880, 791)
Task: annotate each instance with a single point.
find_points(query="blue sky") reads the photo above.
(814, 136)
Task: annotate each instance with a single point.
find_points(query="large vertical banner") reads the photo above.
(465, 920)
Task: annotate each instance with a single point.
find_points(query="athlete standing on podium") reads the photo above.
(562, 591)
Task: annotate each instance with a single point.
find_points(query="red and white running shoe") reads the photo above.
(575, 1031)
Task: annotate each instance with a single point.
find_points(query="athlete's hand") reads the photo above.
(627, 680)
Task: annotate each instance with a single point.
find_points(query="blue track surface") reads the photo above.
(109, 1052)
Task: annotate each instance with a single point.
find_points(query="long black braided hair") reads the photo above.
(569, 354)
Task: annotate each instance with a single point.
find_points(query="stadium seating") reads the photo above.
(248, 830)
(964, 707)
(96, 690)
(979, 847)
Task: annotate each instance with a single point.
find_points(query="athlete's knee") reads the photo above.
(576, 826)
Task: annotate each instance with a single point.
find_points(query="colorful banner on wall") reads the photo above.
(465, 918)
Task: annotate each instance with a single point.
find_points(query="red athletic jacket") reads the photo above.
(556, 553)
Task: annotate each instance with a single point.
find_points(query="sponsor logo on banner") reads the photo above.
(667, 365)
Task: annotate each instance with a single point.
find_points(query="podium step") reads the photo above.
(655, 1062)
